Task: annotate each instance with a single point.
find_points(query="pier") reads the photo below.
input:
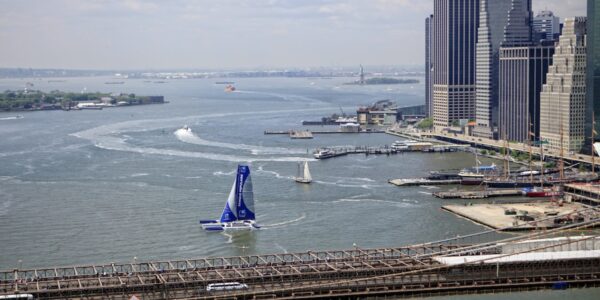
(524, 216)
(478, 194)
(387, 150)
(423, 181)
(288, 132)
(461, 265)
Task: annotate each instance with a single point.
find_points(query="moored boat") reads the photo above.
(538, 192)
(328, 153)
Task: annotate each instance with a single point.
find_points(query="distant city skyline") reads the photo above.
(134, 34)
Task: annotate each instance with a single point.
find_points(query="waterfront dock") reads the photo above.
(488, 193)
(304, 134)
(422, 181)
(288, 132)
(519, 216)
(387, 150)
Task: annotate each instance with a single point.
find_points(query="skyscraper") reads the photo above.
(593, 66)
(523, 67)
(428, 100)
(522, 74)
(563, 99)
(454, 36)
(518, 29)
(493, 18)
(546, 26)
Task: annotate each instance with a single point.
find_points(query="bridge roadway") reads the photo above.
(404, 271)
(186, 278)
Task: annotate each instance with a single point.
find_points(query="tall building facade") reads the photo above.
(593, 67)
(546, 26)
(522, 74)
(517, 31)
(428, 100)
(563, 99)
(454, 35)
(493, 18)
(524, 63)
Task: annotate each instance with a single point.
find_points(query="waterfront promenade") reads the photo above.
(488, 143)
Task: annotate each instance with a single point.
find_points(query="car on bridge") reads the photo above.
(226, 286)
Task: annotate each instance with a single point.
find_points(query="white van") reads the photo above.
(17, 296)
(226, 286)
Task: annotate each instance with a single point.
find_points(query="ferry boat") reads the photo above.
(399, 146)
(303, 173)
(238, 213)
(328, 153)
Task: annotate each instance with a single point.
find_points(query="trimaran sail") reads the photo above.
(239, 208)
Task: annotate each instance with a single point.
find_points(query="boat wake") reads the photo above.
(187, 136)
(221, 173)
(378, 201)
(350, 185)
(11, 118)
(284, 250)
(111, 137)
(277, 175)
(283, 224)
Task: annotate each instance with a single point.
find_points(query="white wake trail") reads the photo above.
(187, 136)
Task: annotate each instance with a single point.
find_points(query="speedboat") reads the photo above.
(238, 213)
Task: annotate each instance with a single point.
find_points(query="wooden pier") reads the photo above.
(479, 194)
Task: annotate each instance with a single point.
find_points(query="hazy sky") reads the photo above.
(136, 34)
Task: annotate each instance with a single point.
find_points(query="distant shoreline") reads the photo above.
(33, 100)
(383, 81)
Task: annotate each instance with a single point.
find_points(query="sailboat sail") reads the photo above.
(229, 212)
(307, 176)
(244, 194)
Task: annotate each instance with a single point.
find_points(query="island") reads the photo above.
(383, 80)
(26, 100)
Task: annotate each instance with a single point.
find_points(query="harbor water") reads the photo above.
(111, 185)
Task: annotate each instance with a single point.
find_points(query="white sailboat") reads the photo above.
(303, 173)
(238, 213)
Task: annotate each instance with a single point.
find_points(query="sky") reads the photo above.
(219, 34)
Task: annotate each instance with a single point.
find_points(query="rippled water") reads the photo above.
(85, 187)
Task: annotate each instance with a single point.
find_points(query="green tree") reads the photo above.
(426, 123)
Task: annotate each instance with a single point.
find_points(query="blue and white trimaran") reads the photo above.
(238, 213)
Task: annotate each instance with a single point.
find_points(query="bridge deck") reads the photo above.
(200, 272)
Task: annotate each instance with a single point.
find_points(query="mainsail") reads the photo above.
(307, 176)
(244, 194)
(240, 203)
